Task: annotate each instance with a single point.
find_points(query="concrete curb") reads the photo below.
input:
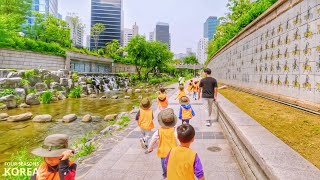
(260, 154)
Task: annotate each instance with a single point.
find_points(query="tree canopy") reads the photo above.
(242, 13)
(190, 60)
(96, 30)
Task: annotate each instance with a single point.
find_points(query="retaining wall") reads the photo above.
(278, 53)
(13, 59)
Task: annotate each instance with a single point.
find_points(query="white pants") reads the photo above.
(208, 107)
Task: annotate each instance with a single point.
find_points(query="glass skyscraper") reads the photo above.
(162, 33)
(109, 13)
(210, 27)
(43, 7)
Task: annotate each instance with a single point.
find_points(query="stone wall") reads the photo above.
(123, 68)
(278, 53)
(29, 60)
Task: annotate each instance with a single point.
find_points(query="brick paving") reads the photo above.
(127, 160)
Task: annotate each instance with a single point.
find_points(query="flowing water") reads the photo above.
(15, 135)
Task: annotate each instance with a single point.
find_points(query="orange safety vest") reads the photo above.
(163, 104)
(167, 141)
(181, 94)
(196, 88)
(180, 164)
(44, 174)
(186, 113)
(190, 87)
(145, 119)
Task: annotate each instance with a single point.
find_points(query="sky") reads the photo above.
(185, 17)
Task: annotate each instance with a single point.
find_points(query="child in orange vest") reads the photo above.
(166, 136)
(186, 112)
(180, 93)
(182, 162)
(145, 121)
(196, 90)
(162, 99)
(56, 155)
(190, 87)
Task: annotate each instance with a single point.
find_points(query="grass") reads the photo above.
(75, 92)
(84, 148)
(298, 129)
(19, 160)
(46, 97)
(123, 122)
(6, 92)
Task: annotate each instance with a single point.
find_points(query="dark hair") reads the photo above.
(185, 133)
(162, 89)
(208, 71)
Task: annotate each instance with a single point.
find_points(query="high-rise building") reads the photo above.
(43, 7)
(135, 29)
(76, 32)
(109, 13)
(209, 28)
(162, 33)
(202, 54)
(127, 36)
(88, 42)
(151, 36)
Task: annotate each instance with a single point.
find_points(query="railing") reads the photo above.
(189, 66)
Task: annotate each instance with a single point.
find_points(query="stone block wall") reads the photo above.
(29, 60)
(118, 68)
(280, 55)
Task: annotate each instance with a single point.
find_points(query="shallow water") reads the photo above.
(15, 135)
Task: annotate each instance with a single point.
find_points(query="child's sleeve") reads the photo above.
(154, 138)
(180, 113)
(138, 115)
(197, 167)
(66, 171)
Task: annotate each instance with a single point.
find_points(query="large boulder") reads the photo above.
(15, 74)
(10, 101)
(64, 81)
(3, 116)
(129, 91)
(24, 105)
(110, 117)
(127, 97)
(114, 97)
(42, 118)
(55, 85)
(93, 96)
(86, 118)
(58, 74)
(10, 82)
(22, 93)
(61, 96)
(32, 99)
(3, 106)
(20, 117)
(65, 72)
(52, 77)
(69, 118)
(84, 89)
(41, 87)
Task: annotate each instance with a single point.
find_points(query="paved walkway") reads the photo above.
(127, 159)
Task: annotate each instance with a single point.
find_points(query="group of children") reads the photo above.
(193, 88)
(178, 161)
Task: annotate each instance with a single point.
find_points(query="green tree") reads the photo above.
(190, 60)
(114, 50)
(96, 30)
(137, 53)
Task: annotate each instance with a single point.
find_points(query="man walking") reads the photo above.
(209, 90)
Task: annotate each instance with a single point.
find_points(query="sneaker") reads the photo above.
(142, 143)
(208, 123)
(146, 146)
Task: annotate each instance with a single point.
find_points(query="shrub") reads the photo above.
(25, 82)
(101, 52)
(83, 148)
(89, 81)
(46, 97)
(6, 92)
(29, 74)
(75, 92)
(75, 77)
(31, 90)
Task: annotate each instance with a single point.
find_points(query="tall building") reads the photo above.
(135, 29)
(109, 13)
(88, 42)
(162, 33)
(76, 32)
(43, 7)
(127, 36)
(151, 36)
(209, 28)
(202, 54)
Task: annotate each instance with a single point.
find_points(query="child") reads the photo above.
(145, 121)
(195, 90)
(56, 155)
(162, 99)
(182, 162)
(190, 87)
(180, 93)
(166, 135)
(186, 112)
